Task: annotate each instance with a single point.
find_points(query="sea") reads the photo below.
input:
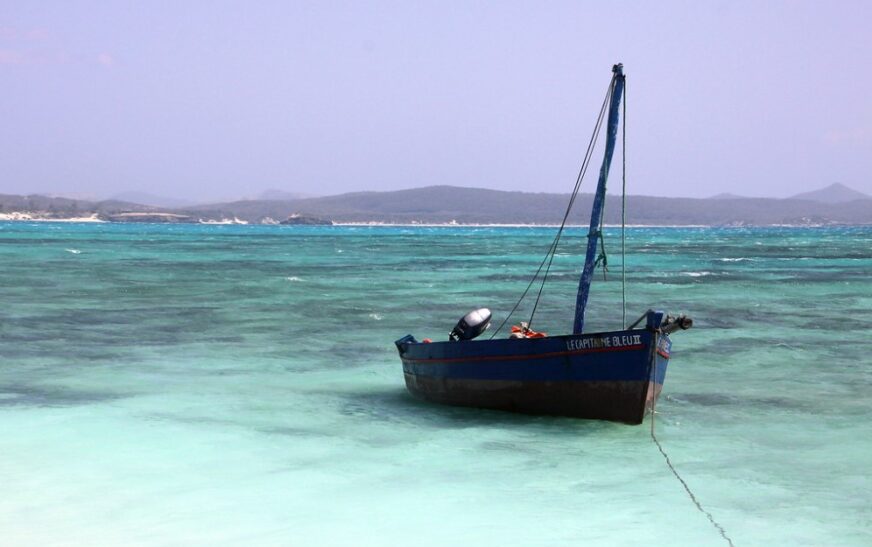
(238, 385)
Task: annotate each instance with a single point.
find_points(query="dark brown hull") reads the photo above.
(621, 401)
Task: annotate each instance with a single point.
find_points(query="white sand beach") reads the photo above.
(34, 217)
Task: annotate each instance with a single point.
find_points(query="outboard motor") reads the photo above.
(672, 324)
(471, 325)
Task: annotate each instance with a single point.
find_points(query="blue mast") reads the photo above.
(593, 235)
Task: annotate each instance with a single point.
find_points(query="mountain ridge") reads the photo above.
(447, 204)
(834, 193)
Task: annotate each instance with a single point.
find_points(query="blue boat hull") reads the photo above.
(605, 376)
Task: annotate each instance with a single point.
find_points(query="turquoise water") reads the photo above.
(226, 385)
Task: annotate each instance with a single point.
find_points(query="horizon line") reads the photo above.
(196, 202)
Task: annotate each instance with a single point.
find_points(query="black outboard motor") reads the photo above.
(471, 325)
(672, 324)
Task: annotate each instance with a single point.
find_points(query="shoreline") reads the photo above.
(24, 217)
(17, 216)
(29, 217)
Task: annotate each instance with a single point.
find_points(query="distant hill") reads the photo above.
(65, 207)
(834, 193)
(727, 195)
(145, 198)
(444, 204)
(281, 195)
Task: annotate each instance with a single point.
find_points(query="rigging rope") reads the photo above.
(693, 498)
(552, 248)
(584, 165)
(624, 214)
(524, 294)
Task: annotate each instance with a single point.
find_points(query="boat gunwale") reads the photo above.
(525, 356)
(486, 348)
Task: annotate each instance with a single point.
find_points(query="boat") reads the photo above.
(615, 375)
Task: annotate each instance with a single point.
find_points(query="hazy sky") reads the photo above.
(224, 99)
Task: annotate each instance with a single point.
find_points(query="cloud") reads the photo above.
(16, 34)
(36, 34)
(857, 135)
(33, 57)
(105, 59)
(11, 57)
(31, 46)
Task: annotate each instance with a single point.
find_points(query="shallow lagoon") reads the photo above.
(215, 385)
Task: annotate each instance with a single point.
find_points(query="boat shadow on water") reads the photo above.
(396, 405)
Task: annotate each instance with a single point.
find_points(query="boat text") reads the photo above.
(616, 341)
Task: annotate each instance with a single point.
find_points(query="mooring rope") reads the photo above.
(687, 489)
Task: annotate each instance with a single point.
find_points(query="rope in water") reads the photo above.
(549, 258)
(687, 489)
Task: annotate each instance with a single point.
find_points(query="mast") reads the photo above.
(594, 235)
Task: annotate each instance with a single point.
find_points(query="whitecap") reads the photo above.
(293, 278)
(741, 259)
(74, 251)
(375, 316)
(696, 274)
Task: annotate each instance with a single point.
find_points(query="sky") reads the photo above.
(220, 100)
